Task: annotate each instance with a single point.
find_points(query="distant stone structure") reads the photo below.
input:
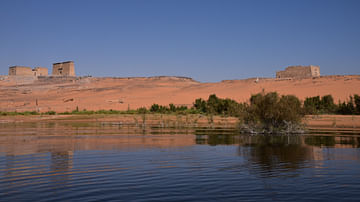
(40, 71)
(299, 72)
(20, 71)
(63, 69)
(59, 69)
(27, 71)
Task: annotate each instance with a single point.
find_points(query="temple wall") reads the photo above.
(20, 71)
(63, 69)
(40, 71)
(299, 72)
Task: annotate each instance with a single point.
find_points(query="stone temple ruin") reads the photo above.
(299, 72)
(27, 71)
(59, 69)
(63, 69)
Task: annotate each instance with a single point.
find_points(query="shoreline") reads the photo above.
(317, 123)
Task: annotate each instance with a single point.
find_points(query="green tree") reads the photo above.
(155, 108)
(142, 110)
(327, 104)
(214, 105)
(347, 108)
(312, 105)
(172, 107)
(232, 108)
(357, 103)
(271, 113)
(200, 105)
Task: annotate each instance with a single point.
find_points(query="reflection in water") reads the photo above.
(106, 162)
(333, 141)
(9, 164)
(61, 165)
(276, 153)
(267, 155)
(61, 161)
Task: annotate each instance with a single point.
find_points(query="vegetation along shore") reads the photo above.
(263, 113)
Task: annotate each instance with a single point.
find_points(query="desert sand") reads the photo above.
(66, 94)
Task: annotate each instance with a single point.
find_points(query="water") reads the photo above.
(109, 162)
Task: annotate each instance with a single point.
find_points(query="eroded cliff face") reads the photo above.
(93, 93)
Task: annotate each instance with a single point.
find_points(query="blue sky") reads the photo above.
(204, 39)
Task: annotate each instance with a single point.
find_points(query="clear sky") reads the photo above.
(207, 40)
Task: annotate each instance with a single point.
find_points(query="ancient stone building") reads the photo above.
(59, 69)
(20, 71)
(40, 71)
(27, 71)
(63, 69)
(299, 72)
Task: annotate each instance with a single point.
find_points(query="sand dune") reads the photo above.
(65, 94)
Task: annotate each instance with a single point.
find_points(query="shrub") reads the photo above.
(142, 110)
(269, 113)
(49, 113)
(155, 108)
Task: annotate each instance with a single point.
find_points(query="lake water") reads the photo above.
(110, 162)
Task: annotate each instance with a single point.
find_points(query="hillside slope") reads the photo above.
(65, 94)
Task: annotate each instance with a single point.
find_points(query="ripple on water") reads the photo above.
(184, 167)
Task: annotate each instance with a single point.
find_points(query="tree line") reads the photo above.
(264, 113)
(326, 105)
(267, 102)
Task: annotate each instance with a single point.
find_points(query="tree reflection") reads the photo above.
(61, 165)
(333, 141)
(216, 137)
(271, 155)
(61, 161)
(264, 154)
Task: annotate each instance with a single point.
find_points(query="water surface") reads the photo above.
(110, 162)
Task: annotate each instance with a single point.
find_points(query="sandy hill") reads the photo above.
(65, 94)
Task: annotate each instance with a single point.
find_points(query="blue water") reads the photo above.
(97, 164)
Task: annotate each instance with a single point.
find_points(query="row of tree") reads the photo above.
(166, 109)
(270, 112)
(266, 102)
(326, 105)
